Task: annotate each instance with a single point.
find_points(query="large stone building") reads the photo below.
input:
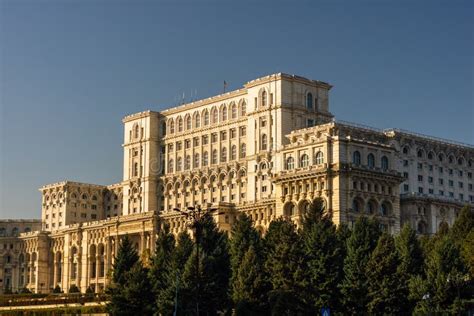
(268, 149)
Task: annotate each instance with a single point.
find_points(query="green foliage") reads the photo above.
(134, 295)
(384, 286)
(89, 290)
(126, 258)
(284, 266)
(467, 252)
(74, 289)
(359, 247)
(57, 289)
(323, 253)
(463, 225)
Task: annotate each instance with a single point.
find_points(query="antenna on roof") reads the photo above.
(225, 85)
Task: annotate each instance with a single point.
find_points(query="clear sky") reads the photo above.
(70, 70)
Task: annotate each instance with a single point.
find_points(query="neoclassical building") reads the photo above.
(268, 149)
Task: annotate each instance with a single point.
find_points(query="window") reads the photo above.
(135, 169)
(461, 185)
(233, 111)
(233, 152)
(243, 109)
(356, 206)
(309, 101)
(420, 190)
(441, 181)
(405, 175)
(188, 122)
(206, 118)
(371, 161)
(290, 163)
(214, 137)
(243, 150)
(243, 131)
(419, 154)
(451, 183)
(264, 98)
(263, 122)
(405, 150)
(171, 126)
(214, 157)
(405, 163)
(179, 164)
(450, 172)
(187, 163)
(197, 120)
(205, 140)
(263, 144)
(310, 123)
(384, 163)
(304, 161)
(420, 165)
(430, 179)
(233, 133)
(406, 187)
(196, 160)
(441, 192)
(420, 177)
(430, 191)
(223, 154)
(224, 113)
(214, 115)
(205, 158)
(180, 124)
(223, 135)
(319, 158)
(196, 141)
(187, 144)
(430, 167)
(178, 146)
(356, 158)
(460, 173)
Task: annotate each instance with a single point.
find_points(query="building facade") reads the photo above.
(268, 149)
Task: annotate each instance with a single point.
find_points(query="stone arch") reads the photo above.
(357, 204)
(422, 227)
(289, 209)
(303, 206)
(371, 206)
(385, 208)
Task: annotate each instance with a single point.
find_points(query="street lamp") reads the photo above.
(194, 216)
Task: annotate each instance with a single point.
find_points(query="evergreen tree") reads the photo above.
(463, 225)
(284, 267)
(323, 253)
(411, 264)
(384, 291)
(468, 253)
(249, 284)
(244, 237)
(209, 283)
(57, 289)
(359, 247)
(134, 296)
(161, 271)
(126, 258)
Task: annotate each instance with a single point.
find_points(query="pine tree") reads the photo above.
(209, 283)
(359, 247)
(463, 225)
(323, 253)
(284, 267)
(126, 258)
(249, 284)
(411, 264)
(384, 291)
(134, 296)
(161, 271)
(244, 237)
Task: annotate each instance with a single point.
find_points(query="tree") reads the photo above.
(463, 225)
(162, 273)
(134, 296)
(411, 264)
(126, 258)
(284, 267)
(324, 254)
(244, 237)
(384, 290)
(359, 247)
(207, 283)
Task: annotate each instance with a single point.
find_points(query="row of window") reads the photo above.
(441, 157)
(14, 232)
(204, 140)
(441, 182)
(203, 160)
(206, 118)
(371, 207)
(304, 161)
(362, 186)
(460, 173)
(421, 190)
(356, 160)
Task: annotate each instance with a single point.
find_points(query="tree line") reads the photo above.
(291, 271)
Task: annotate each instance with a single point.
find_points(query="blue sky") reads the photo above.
(70, 70)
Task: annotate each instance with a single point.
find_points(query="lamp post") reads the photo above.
(194, 217)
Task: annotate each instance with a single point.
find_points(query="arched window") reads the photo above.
(197, 120)
(319, 158)
(243, 109)
(137, 131)
(440, 157)
(290, 163)
(224, 113)
(451, 159)
(304, 161)
(84, 196)
(356, 158)
(163, 128)
(27, 230)
(179, 164)
(205, 158)
(187, 163)
(356, 206)
(421, 227)
(371, 160)
(188, 122)
(233, 111)
(215, 116)
(405, 150)
(214, 157)
(371, 207)
(223, 154)
(180, 124)
(263, 144)
(430, 155)
(15, 231)
(309, 101)
(171, 126)
(206, 117)
(384, 163)
(243, 150)
(264, 98)
(196, 160)
(384, 209)
(419, 153)
(135, 169)
(233, 152)
(170, 165)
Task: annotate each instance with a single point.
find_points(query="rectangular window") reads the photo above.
(441, 181)
(451, 194)
(205, 140)
(461, 196)
(196, 141)
(405, 175)
(187, 144)
(440, 169)
(441, 192)
(178, 146)
(170, 147)
(430, 167)
(469, 186)
(430, 179)
(461, 185)
(469, 175)
(406, 188)
(263, 122)
(420, 177)
(214, 137)
(264, 188)
(233, 133)
(310, 123)
(460, 173)
(430, 191)
(451, 183)
(223, 135)
(405, 163)
(420, 190)
(450, 172)
(94, 207)
(420, 165)
(243, 131)
(93, 216)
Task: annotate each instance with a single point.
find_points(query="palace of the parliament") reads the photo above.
(268, 149)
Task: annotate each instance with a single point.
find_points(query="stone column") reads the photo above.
(55, 272)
